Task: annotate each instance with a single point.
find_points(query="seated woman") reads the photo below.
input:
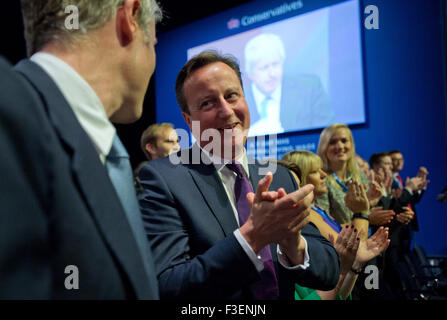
(350, 240)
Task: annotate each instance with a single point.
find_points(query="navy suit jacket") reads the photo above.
(58, 206)
(304, 104)
(190, 223)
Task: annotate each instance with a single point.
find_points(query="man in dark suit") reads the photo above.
(66, 229)
(408, 195)
(194, 202)
(280, 103)
(398, 201)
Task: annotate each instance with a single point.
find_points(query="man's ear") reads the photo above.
(126, 21)
(188, 120)
(150, 148)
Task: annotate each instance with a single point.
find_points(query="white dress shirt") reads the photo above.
(228, 178)
(271, 123)
(82, 99)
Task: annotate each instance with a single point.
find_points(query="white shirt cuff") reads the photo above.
(409, 190)
(257, 261)
(284, 261)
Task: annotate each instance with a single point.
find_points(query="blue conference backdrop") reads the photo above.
(386, 83)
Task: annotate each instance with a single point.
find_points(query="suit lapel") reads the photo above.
(213, 192)
(89, 173)
(254, 175)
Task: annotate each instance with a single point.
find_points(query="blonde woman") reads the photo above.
(337, 152)
(350, 240)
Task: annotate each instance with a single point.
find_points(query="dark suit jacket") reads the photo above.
(58, 206)
(406, 199)
(190, 224)
(304, 104)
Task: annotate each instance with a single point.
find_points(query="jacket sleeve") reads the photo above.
(219, 272)
(25, 260)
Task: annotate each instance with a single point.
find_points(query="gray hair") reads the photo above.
(260, 46)
(44, 20)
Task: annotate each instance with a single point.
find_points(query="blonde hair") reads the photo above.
(151, 134)
(44, 20)
(306, 161)
(325, 137)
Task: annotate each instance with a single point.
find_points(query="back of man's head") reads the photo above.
(50, 20)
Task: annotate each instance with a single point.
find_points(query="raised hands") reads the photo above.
(346, 245)
(379, 217)
(356, 199)
(374, 193)
(372, 247)
(385, 178)
(414, 184)
(422, 173)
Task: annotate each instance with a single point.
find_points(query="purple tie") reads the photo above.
(267, 288)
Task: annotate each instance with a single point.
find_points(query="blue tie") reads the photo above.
(120, 173)
(267, 288)
(264, 104)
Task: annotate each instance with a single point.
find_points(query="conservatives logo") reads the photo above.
(233, 23)
(265, 15)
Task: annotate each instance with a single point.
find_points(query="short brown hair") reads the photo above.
(151, 134)
(201, 60)
(377, 157)
(44, 20)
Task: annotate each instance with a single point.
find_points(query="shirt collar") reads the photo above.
(83, 100)
(220, 163)
(260, 96)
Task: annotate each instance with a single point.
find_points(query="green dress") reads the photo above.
(303, 293)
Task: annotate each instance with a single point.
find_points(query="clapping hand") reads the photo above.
(379, 217)
(277, 217)
(356, 199)
(414, 184)
(405, 216)
(346, 245)
(374, 193)
(423, 173)
(373, 246)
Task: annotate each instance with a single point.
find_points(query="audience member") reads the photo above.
(400, 234)
(212, 237)
(336, 150)
(399, 186)
(352, 246)
(70, 226)
(159, 141)
(363, 165)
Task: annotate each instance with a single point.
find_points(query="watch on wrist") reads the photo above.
(360, 215)
(358, 271)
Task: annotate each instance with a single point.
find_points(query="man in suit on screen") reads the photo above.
(279, 102)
